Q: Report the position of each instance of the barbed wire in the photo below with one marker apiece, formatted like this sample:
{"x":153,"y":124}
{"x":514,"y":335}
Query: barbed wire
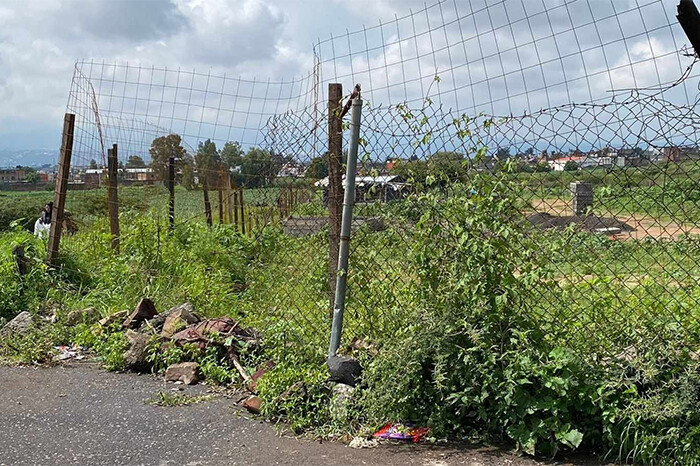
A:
{"x":574,"y":92}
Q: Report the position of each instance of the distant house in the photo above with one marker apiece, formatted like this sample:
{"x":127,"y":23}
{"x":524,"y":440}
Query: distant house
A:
{"x":383,"y":188}
{"x":92,"y":177}
{"x":143,"y":175}
{"x":46,"y":176}
{"x":291,"y":170}
{"x":559,"y":164}
{"x":12,"y":175}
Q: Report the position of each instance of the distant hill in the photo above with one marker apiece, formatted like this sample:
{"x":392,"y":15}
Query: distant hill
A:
{"x":10,"y":158}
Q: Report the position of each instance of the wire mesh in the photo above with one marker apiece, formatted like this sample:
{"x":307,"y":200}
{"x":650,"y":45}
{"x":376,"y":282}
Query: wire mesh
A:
{"x":602,"y":93}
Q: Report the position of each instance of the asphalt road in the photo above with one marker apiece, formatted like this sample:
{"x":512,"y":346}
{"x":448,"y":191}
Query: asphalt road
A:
{"x":78,"y":414}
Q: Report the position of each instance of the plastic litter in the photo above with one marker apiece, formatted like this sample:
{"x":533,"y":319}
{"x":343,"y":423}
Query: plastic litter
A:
{"x":402,"y":431}
{"x":66,"y":352}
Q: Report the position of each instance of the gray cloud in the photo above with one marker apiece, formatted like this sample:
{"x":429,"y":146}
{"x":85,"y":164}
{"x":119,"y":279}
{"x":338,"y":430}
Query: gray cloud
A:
{"x":124,"y":20}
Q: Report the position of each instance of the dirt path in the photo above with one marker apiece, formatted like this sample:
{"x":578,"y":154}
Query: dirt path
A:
{"x":644,"y":226}
{"x":79,"y":414}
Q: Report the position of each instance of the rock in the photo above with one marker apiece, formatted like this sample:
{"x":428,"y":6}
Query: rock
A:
{"x":113,"y":318}
{"x":157,"y":322}
{"x":178,"y":320}
{"x":344,"y":370}
{"x":87,"y":316}
{"x":187,"y":372}
{"x":342,"y":394}
{"x":135,"y":355}
{"x":252,"y":404}
{"x":262,"y":370}
{"x":205,"y":333}
{"x":145,"y":310}
{"x":20,"y":325}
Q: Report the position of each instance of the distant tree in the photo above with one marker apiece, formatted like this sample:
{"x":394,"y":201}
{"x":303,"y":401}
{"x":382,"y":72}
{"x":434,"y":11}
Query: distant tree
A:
{"x":232,"y":154}
{"x":543,"y":167}
{"x":162,"y":149}
{"x":571,"y":166}
{"x":135,"y":161}
{"x":120,"y":165}
{"x":208,"y":162}
{"x":447,"y":166}
{"x":502,"y":153}
{"x":32,"y":177}
{"x":93,"y":164}
{"x":260,"y":167}
{"x":186,"y":165}
{"x":318,"y":168}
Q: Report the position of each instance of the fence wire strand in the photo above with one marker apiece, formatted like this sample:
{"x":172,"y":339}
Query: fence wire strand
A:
{"x":575,"y":91}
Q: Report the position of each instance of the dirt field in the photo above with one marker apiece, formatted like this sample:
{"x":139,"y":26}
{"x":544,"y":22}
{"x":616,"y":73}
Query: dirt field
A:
{"x":642,"y":226}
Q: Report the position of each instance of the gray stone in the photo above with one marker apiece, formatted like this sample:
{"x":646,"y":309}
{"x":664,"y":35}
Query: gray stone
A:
{"x":135,"y":356}
{"x":88,"y":316}
{"x":187,"y":372}
{"x":20,"y":325}
{"x":342,"y":394}
{"x":180,"y":318}
{"x":113,"y":318}
{"x":157,"y":322}
{"x":344,"y":370}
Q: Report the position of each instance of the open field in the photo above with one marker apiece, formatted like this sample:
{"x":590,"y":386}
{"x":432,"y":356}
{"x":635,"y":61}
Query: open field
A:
{"x":606,"y":318}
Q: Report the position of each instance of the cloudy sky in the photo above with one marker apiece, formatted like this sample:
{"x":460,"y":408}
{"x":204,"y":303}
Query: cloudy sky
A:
{"x":504,"y":57}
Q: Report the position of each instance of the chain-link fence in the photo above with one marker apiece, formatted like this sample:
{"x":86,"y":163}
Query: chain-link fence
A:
{"x":576,"y":121}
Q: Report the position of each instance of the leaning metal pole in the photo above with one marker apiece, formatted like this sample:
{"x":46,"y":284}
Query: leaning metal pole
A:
{"x":344,"y":250}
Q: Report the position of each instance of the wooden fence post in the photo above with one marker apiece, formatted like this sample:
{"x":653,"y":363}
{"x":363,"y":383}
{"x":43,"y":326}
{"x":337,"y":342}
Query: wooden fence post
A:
{"x":229,"y":206}
{"x":235,"y":207}
{"x":112,"y":196}
{"x":335,"y":182}
{"x":171,"y":188}
{"x":59,"y":197}
{"x":207,"y":204}
{"x":240,"y":202}
{"x":221,"y":196}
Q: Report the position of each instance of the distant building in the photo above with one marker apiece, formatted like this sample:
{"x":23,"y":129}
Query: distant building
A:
{"x":558,"y":165}
{"x":92,"y":177}
{"x":143,"y":175}
{"x":12,"y":175}
{"x":291,"y":170}
{"x":382,"y":188}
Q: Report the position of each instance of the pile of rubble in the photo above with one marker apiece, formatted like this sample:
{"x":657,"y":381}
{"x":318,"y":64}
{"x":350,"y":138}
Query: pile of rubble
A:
{"x":180,"y":326}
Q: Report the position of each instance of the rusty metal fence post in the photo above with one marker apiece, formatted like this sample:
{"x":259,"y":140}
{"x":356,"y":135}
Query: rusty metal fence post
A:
{"x":344,"y":250}
{"x":335,"y":181}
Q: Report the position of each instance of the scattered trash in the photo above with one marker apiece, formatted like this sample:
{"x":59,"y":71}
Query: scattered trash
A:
{"x":362,"y":442}
{"x":399,"y":431}
{"x":66,"y":352}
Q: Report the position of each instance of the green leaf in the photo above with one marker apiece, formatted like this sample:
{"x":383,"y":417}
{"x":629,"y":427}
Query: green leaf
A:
{"x":572,"y":438}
